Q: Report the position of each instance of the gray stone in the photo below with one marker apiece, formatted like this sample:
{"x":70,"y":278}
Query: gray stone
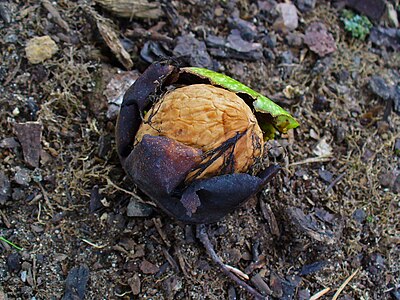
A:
{"x":22,"y":176}
{"x":359,"y":215}
{"x":75,"y":284}
{"x":379,"y":87}
{"x":5,"y":188}
{"x":305,"y":5}
{"x":288,"y":16}
{"x":138,"y":209}
{"x":193,"y":50}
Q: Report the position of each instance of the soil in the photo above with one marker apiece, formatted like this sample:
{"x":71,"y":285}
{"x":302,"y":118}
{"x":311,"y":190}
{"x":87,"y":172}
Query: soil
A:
{"x":330,"y":218}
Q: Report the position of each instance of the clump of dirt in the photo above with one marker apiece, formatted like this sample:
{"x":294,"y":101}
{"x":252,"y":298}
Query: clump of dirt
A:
{"x":74,"y":225}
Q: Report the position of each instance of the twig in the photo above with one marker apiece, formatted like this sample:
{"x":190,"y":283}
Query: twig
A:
{"x":203,"y":237}
{"x":181,"y":261}
{"x":109,"y":181}
{"x":337,"y":179}
{"x":171,"y":260}
{"x":56,"y":15}
{"x":238,"y":272}
{"x":39,"y":213}
{"x":311,"y":160}
{"x":5,"y":220}
{"x":93,"y":244}
{"x":46,"y":198}
{"x":320,"y":294}
{"x":157,"y":224}
{"x":346,"y":282}
{"x":12,"y":74}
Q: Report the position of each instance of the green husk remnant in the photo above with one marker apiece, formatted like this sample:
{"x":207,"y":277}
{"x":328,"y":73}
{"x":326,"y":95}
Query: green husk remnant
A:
{"x":281,"y":119}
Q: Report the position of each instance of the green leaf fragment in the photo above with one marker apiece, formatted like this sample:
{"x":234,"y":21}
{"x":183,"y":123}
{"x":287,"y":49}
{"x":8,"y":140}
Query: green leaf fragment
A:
{"x":282,"y":120}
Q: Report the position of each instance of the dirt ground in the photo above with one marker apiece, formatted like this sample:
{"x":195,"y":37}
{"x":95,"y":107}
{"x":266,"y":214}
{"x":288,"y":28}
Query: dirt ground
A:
{"x":330,"y":218}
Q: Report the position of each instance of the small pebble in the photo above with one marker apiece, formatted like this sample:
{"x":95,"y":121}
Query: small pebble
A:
{"x":379,"y":87}
{"x":148,"y":268}
{"x":288,"y":19}
{"x":23,"y":276}
{"x":38,"y":49}
{"x":138,"y":209}
{"x":5,"y":187}
{"x":14,"y":262}
{"x":306,"y":5}
{"x":359,"y":215}
{"x":22,"y":176}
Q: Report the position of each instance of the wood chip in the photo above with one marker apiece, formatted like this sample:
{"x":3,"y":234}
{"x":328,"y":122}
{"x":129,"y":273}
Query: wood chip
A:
{"x":148,"y":268}
{"x":113,"y":42}
{"x":110,"y":37}
{"x":76,"y":282}
{"x":270,"y":217}
{"x":133,"y":8}
{"x":135,"y":284}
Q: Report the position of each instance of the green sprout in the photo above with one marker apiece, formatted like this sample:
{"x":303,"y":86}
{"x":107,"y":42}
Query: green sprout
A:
{"x":358,"y":26}
{"x":10,"y":243}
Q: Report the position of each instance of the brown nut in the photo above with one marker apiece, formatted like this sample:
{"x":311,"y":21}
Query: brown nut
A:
{"x":204,"y":117}
{"x":189,"y":140}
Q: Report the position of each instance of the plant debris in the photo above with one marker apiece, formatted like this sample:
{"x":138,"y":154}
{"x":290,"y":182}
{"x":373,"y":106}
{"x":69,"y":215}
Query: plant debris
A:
{"x":310,"y":226}
{"x":358,"y":26}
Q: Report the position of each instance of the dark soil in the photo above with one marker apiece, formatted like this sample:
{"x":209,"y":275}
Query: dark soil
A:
{"x":333,"y":211}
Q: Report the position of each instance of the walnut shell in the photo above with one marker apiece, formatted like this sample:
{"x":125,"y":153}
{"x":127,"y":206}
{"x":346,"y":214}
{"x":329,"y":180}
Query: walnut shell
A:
{"x":212,"y":119}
